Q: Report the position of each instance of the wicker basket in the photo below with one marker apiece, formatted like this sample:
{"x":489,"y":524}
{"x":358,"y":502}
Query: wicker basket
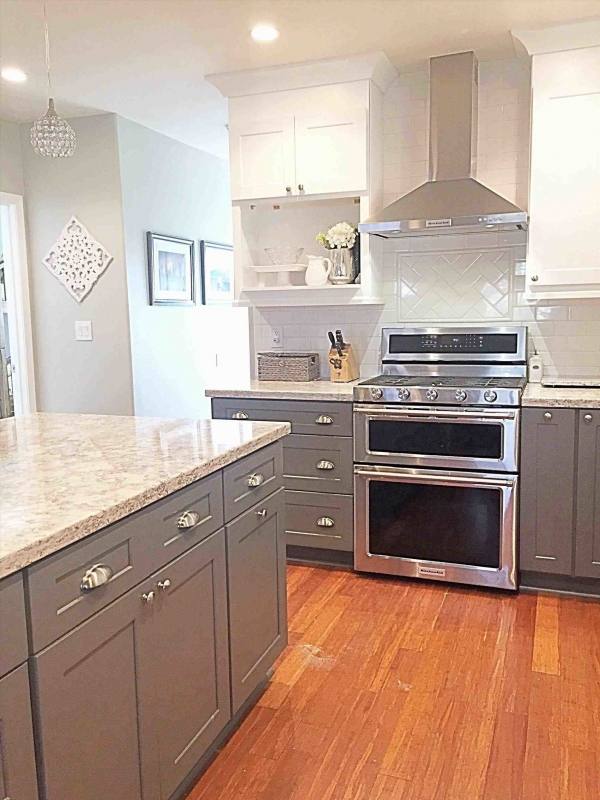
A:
{"x":288,"y":366}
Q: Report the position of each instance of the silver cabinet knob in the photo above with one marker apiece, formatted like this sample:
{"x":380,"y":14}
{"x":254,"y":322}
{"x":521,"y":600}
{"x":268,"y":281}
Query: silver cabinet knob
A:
{"x":148,"y":598}
{"x":324,"y":464}
{"x":98,"y":575}
{"x":187,"y":520}
{"x":288,"y":189}
{"x":325,"y":522}
{"x":588,"y":417}
{"x":535,"y":278}
{"x":164,"y":586}
{"x":239,"y":415}
{"x":262,"y":513}
{"x":547,"y":415}
{"x":300,"y":187}
{"x":255,"y":480}
{"x":323,"y":419}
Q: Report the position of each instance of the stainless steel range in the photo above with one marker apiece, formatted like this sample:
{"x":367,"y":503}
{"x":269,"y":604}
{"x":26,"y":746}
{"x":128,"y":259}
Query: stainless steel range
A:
{"x":436,"y":451}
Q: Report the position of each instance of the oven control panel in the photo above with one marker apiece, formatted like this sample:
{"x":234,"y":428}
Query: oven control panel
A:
{"x":452,"y":343}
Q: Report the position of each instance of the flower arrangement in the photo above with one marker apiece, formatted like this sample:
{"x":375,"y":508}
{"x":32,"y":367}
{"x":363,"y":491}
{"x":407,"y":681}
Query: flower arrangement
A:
{"x":342,"y":234}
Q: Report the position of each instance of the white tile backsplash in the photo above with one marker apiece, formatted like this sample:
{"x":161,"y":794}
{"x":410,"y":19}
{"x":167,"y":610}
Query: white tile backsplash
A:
{"x":473,"y":287}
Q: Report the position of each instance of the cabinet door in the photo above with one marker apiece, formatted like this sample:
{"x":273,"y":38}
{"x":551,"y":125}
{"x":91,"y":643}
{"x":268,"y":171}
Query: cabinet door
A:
{"x":92,"y":687}
{"x":565,"y":171}
{"x":257,"y":595}
{"x":587,"y":545}
{"x":190,"y":659}
{"x":17,"y":759}
{"x":547,"y":490}
{"x":331,"y":152}
{"x":262,"y":158}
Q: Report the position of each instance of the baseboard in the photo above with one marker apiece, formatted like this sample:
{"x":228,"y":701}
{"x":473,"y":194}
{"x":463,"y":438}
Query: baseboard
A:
{"x":319,"y":556}
{"x":560,"y":584}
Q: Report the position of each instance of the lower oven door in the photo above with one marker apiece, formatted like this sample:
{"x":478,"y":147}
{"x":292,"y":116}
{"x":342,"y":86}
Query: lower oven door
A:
{"x":450,"y":526}
{"x":449,"y":438}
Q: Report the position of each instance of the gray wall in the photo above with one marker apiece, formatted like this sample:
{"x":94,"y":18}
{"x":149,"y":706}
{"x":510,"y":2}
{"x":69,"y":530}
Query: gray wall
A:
{"x":11,"y":166}
{"x":174,"y":189}
{"x":92,"y":377}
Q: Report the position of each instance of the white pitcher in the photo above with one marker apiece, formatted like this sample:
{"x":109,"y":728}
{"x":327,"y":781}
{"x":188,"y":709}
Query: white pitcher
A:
{"x":318,"y":270}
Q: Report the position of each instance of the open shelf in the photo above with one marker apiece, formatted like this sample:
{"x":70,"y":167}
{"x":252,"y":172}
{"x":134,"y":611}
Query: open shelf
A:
{"x":344,"y":294}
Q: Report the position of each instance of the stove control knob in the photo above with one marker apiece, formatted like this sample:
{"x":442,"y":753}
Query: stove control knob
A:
{"x":431,"y":394}
{"x":460,"y":395}
{"x":403,"y":394}
{"x":489,"y":396}
{"x":376,"y":393}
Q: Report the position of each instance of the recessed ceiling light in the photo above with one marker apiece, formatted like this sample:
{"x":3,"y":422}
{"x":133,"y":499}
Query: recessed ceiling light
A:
{"x":264,"y":33}
{"x":13,"y":74}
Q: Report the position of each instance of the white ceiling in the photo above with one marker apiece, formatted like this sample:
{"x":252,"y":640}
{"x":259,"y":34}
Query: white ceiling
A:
{"x":145,"y":59}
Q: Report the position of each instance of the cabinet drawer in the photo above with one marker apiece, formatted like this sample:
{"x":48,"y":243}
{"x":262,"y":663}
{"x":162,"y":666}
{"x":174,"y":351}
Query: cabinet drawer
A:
{"x":252,"y":479}
{"x":13,"y":631}
{"x":130,"y":550}
{"x":323,"y":418}
{"x":307,"y":515}
{"x":318,"y":463}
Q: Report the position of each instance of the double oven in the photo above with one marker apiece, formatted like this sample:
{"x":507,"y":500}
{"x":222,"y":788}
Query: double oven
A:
{"x":437,"y":457}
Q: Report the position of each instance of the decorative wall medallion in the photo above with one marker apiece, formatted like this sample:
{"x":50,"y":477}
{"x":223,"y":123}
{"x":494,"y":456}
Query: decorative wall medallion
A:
{"x":77,"y":260}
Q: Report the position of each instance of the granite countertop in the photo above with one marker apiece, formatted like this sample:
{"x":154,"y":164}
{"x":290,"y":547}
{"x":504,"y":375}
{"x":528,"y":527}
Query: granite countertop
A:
{"x":558,"y":397}
{"x":288,"y":390}
{"x":64,"y":476}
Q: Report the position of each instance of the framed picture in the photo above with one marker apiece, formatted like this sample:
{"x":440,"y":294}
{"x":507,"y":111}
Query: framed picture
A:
{"x":171,"y":279}
{"x":216,"y":272}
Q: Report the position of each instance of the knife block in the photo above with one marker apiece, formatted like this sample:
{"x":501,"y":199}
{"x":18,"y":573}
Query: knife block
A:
{"x":342,"y":369}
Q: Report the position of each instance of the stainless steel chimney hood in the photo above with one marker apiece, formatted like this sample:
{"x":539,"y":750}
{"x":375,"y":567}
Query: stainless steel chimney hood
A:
{"x":451,"y":201}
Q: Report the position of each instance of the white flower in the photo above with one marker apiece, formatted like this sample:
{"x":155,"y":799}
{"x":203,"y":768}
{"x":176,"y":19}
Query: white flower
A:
{"x":342,"y":234}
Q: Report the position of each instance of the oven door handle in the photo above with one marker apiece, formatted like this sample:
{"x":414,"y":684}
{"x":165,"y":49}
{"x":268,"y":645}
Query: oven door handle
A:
{"x":393,"y":413}
{"x":410,"y":476}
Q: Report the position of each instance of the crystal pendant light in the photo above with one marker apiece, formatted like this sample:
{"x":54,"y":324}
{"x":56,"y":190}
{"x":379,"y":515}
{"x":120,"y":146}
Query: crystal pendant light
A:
{"x":51,"y":135}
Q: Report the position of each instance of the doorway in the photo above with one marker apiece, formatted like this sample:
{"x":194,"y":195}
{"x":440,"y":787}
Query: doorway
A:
{"x":17,"y":384}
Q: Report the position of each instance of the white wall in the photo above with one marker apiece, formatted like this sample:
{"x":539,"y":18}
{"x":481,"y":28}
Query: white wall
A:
{"x":455,"y":279}
{"x":92,"y":377}
{"x":173,"y":189}
{"x":11,"y":165}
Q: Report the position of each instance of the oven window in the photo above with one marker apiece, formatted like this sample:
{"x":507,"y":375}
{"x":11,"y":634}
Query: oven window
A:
{"x":429,"y":522}
{"x":461,"y":439}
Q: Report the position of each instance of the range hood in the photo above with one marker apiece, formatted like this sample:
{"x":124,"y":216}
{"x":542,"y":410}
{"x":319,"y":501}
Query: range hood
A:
{"x":451,"y":201}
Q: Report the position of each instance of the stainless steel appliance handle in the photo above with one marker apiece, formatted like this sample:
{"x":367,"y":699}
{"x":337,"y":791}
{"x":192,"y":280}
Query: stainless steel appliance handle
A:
{"x":393,"y":412}
{"x":426,"y":476}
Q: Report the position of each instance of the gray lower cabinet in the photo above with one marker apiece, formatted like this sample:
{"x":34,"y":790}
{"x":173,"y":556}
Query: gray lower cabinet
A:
{"x":17,"y":758}
{"x":318,"y":463}
{"x":13,"y":625}
{"x":547,"y":490}
{"x":319,"y":520}
{"x":587,"y":536}
{"x":129,"y":700}
{"x":257,"y":597}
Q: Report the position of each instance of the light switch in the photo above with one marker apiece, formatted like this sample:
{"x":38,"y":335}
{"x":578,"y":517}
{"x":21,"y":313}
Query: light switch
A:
{"x":83,"y":330}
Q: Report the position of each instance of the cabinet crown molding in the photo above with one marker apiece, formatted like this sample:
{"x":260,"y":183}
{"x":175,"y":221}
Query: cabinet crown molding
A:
{"x":572,"y":36}
{"x":375,"y":67}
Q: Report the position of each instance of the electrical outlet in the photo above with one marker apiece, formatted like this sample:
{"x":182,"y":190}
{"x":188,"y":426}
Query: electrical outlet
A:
{"x":276,"y":339}
{"x":83,"y":330}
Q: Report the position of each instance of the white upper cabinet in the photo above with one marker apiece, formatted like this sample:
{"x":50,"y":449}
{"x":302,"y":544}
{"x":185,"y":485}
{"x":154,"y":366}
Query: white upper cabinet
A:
{"x":563,"y":259}
{"x":262,"y":157}
{"x":331,"y":152}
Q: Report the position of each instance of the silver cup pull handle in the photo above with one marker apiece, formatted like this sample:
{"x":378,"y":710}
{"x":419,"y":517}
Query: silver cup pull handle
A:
{"x":324,"y":419}
{"x":98,"y":575}
{"x":255,"y":480}
{"x":187,"y":520}
{"x":547,"y":415}
{"x":325,"y":522}
{"x":239,"y":415}
{"x":324,"y":464}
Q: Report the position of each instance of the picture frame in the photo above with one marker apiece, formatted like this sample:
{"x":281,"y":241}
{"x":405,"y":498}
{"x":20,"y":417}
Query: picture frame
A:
{"x":171,"y":270}
{"x":216,"y":273}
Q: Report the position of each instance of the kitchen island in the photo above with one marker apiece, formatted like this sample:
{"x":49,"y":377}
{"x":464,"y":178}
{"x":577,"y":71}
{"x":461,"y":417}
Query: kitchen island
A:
{"x":151,"y":554}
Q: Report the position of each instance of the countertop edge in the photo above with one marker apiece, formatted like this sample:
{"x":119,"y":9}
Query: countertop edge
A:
{"x":343,"y":394}
{"x":538,"y":396}
{"x":29,"y":554}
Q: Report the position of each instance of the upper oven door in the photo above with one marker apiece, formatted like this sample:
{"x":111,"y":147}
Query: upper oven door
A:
{"x":437,"y":437}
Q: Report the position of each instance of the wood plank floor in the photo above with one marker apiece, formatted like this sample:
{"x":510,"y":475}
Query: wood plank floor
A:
{"x":395,"y":690}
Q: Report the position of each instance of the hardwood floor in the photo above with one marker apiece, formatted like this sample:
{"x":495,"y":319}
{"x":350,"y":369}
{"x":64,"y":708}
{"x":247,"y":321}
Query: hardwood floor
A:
{"x":395,"y":690}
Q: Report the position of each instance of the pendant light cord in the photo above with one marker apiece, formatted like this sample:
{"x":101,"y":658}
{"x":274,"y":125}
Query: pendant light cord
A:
{"x":47,"y":40}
